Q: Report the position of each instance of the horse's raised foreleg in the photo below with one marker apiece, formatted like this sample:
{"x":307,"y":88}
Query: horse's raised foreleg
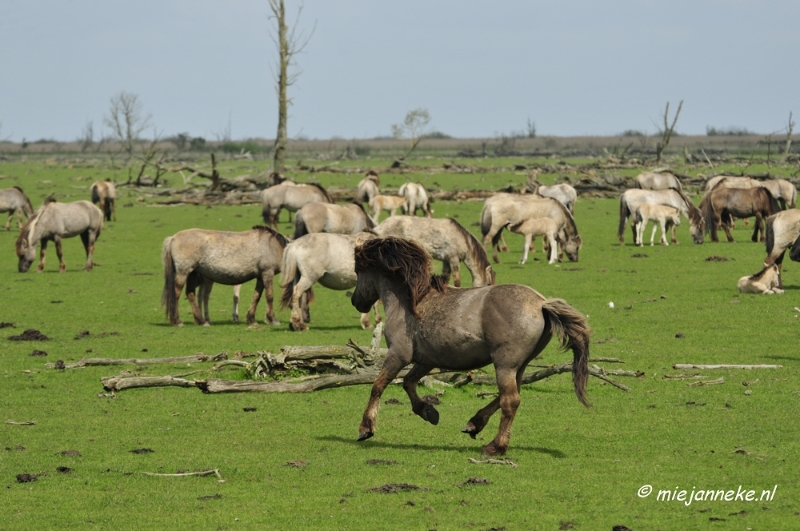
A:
{"x":418,"y":405}
{"x":476,"y":424}
{"x":509,"y":402}
{"x":391,"y":367}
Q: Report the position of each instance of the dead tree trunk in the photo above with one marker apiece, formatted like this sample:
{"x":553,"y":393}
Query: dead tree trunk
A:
{"x":666,"y":133}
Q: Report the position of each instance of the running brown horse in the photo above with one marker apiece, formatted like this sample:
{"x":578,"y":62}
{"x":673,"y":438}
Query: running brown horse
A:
{"x":721,"y":204}
{"x":433,"y":325}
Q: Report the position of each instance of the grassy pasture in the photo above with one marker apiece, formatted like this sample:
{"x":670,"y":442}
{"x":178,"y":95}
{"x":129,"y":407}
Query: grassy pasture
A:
{"x":577,"y":468}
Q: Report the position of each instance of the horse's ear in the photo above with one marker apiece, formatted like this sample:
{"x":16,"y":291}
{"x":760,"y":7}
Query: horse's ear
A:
{"x":491,"y":275}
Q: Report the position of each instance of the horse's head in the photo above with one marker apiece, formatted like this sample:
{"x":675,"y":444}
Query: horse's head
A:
{"x":696,"y":228}
{"x":25,"y":251}
{"x":571,"y":247}
{"x":366,"y":293}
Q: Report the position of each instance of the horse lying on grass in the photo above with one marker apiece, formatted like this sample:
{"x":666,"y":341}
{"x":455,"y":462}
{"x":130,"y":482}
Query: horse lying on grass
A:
{"x":765,"y":281}
{"x":432,"y":325}
{"x":53,"y":221}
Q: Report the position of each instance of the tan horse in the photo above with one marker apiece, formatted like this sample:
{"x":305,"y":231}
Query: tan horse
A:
{"x":290,"y":196}
{"x":432,"y":325}
{"x":195,"y":257}
{"x":368,"y":187}
{"x":783,"y":232}
{"x":54,"y":221}
{"x":657,"y":180}
{"x":446,"y":240}
{"x":721,"y":204}
{"x":664,"y":216}
{"x":563,"y":193}
{"x":389,"y":203}
{"x":326,"y":217}
{"x":514,"y":209}
{"x":531,"y":228}
{"x":320,"y":257}
{"x":766,"y":281}
{"x":14,"y":201}
{"x":631,"y":199}
{"x":782,"y":190}
{"x":104,"y":194}
{"x":416,"y":198}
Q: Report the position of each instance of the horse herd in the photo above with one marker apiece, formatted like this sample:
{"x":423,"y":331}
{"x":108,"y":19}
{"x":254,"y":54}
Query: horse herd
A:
{"x":429,"y":324}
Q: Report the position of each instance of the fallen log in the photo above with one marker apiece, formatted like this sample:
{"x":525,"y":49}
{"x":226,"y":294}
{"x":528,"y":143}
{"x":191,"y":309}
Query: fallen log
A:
{"x":210,"y":472}
{"x":746,"y":367}
{"x":118,"y":383}
{"x":328,"y":382}
{"x":96,"y":362}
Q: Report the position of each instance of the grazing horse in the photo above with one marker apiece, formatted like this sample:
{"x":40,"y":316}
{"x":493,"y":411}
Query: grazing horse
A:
{"x":658,"y":180}
{"x":104,"y":194}
{"x":290,"y":196}
{"x":54,"y":221}
{"x":14,"y":201}
{"x":632,"y":198}
{"x":197,"y":257}
{"x":721,"y":204}
{"x":766,"y":281}
{"x":513,"y":209}
{"x":319,"y":257}
{"x":326,"y":217}
{"x":432,"y":325}
{"x":783,"y":232}
{"x":563,"y":193}
{"x":446,"y":240}
{"x":665,"y":216}
{"x":416,"y":197}
{"x":367,"y":188}
{"x":531,"y":228}
{"x":782,"y":190}
{"x":390,"y":203}
{"x":731,"y":181}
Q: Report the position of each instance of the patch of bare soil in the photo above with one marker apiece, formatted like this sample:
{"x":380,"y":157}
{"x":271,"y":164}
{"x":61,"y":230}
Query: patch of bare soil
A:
{"x":38,"y":354}
{"x":476,"y":481}
{"x":70,"y":453}
{"x":296,"y":464}
{"x":6,"y":325}
{"x":26,"y":478}
{"x":381,"y":462}
{"x":394,"y":488}
{"x":715,"y":258}
{"x":639,"y":255}
{"x":142,"y":451}
{"x":30,"y":335}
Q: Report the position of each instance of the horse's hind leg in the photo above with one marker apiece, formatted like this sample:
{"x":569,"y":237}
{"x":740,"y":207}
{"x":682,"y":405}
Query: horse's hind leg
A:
{"x":204,"y":294}
{"x":88,"y":246}
{"x":251,"y":313}
{"x":509,"y":402}
{"x":758,"y":229}
{"x":192,"y":282}
{"x":418,"y":405}
{"x":270,"y":316}
{"x":62,"y":266}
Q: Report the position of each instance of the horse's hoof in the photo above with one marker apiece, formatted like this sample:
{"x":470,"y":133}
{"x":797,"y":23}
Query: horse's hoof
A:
{"x":297,"y":327}
{"x":206,"y":323}
{"x":236,"y":319}
{"x":364,"y":435}
{"x":471,"y":430}
{"x":274,"y":322}
{"x":430,"y":414}
{"x":493,"y":449}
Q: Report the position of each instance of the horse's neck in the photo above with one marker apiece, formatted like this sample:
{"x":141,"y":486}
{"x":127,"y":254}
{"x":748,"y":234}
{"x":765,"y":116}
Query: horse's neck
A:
{"x":396,"y":305}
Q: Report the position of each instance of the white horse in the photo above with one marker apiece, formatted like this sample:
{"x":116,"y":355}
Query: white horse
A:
{"x":563,"y":193}
{"x":782,"y":190}
{"x":766,"y":281}
{"x":416,"y":197}
{"x":665,"y":216}
{"x":13,"y":200}
{"x":322,"y":257}
{"x":389,"y":203}
{"x":531,"y":228}
{"x":657,"y":180}
{"x":632,"y":198}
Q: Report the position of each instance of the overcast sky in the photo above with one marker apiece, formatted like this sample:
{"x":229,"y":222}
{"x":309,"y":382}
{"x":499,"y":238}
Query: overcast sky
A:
{"x":481,"y":69}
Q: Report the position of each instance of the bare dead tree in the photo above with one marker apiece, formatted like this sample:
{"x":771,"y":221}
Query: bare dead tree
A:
{"x":289,"y":43}
{"x":414,"y":127}
{"x":666,"y":132}
{"x":87,"y":136}
{"x":126,"y":120}
{"x":789,"y":128}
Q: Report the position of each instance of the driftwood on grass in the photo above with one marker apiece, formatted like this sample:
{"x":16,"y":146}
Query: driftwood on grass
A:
{"x":707,"y":382}
{"x":209,"y":472}
{"x":118,"y":383}
{"x":22,"y":423}
{"x":96,"y":362}
{"x":746,"y":367}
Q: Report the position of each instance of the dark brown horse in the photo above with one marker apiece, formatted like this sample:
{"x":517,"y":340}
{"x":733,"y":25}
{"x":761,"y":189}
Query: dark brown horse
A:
{"x":721,"y":204}
{"x":431,"y":324}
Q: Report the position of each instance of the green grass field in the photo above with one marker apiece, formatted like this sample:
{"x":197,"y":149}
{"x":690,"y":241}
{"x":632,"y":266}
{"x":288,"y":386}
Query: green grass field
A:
{"x":576,"y":468}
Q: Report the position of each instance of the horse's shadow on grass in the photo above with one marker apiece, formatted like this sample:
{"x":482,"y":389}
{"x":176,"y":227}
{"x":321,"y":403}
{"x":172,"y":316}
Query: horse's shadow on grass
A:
{"x":469,"y":448}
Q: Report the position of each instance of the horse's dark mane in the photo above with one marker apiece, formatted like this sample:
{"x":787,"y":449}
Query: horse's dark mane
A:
{"x":770,"y":239}
{"x":324,"y":191}
{"x":757,"y":276}
{"x":694,"y":212}
{"x":373,"y":176}
{"x":370,"y":223}
{"x":283,"y":240}
{"x":476,"y":250}
{"x":404,"y":261}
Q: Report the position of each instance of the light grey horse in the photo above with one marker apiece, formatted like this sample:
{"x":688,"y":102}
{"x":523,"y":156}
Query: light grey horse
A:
{"x":327,"y":217}
{"x":416,"y":197}
{"x":290,"y":196}
{"x":657,"y":180}
{"x":54,"y":221}
{"x":321,"y":257}
{"x":194,"y":257}
{"x":783,"y":231}
{"x":514,"y":209}
{"x":782,"y":190}
{"x":14,"y":201}
{"x":104,"y":194}
{"x":446,"y":240}
{"x":433,"y":325}
{"x":368,"y":187}
{"x":631,"y":199}
{"x":562,"y":192}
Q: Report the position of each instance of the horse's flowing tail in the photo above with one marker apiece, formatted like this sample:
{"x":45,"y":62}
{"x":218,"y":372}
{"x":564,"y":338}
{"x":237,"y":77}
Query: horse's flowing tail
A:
{"x":290,"y":275}
{"x":573,"y":332}
{"x":168,"y":298}
{"x":708,"y":215}
{"x":300,"y":228}
{"x":624,"y":212}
